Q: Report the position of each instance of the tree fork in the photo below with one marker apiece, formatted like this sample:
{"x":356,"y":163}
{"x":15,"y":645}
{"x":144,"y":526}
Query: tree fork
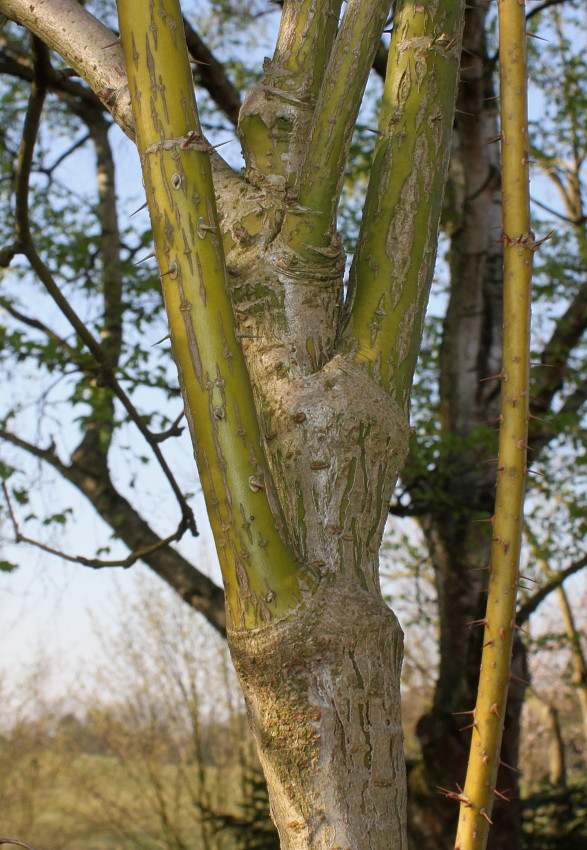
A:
{"x":519,"y":243}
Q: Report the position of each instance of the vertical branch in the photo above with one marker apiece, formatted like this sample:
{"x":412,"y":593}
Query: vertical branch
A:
{"x":276,"y":115}
{"x":93,"y":449}
{"x":499,"y":622}
{"x":261,"y":575}
{"x":322,"y":171}
{"x":392,"y":271}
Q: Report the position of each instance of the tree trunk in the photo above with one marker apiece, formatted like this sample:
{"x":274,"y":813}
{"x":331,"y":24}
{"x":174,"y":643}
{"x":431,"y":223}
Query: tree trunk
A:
{"x":321,"y":692}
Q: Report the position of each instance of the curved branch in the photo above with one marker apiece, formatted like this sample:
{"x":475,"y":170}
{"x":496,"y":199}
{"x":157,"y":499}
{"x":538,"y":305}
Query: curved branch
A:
{"x":85,"y":43}
{"x":42,"y":327}
{"x":546,"y":5}
{"x":94,"y":563}
{"x":194,"y":587}
{"x":531,"y":604}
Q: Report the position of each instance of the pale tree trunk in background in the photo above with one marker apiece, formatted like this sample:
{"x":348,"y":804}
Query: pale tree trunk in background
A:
{"x":579,"y":666}
{"x":557,"y":771}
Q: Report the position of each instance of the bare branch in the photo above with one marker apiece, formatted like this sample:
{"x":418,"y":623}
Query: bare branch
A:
{"x":531,"y":604}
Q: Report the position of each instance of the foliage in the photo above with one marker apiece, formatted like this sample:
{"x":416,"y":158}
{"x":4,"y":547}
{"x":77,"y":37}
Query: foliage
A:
{"x":554,"y":819}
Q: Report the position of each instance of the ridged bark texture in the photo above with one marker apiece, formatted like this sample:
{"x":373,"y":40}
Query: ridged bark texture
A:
{"x":322,"y":697}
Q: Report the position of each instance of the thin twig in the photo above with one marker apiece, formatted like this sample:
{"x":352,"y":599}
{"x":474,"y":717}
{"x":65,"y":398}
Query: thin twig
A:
{"x":94,"y":563}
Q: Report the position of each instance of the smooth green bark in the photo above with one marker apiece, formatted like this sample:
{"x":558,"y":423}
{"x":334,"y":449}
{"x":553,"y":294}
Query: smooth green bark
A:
{"x":499,"y":622}
{"x":261,"y":575}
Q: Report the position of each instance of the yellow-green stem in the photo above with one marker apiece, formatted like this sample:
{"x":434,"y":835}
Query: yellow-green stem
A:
{"x":261,"y":575}
{"x":499,"y":623}
{"x":322,"y":172}
{"x":291,"y":81}
{"x":394,"y":262}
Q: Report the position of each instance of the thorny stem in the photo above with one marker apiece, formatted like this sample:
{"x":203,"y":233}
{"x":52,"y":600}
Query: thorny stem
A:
{"x":519,"y":244}
{"x":262,"y":577}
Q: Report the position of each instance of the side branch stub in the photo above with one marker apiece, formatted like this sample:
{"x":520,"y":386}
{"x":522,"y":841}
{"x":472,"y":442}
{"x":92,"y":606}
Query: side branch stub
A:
{"x":262,"y":577}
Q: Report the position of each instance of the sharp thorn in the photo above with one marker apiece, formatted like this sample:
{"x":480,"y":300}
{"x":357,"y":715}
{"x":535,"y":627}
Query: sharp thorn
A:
{"x":515,"y":678}
{"x":144,"y":259}
{"x":159,"y":341}
{"x":501,"y":795}
{"x":142,"y":207}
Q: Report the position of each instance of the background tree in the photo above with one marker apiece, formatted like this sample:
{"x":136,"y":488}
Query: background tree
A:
{"x":444,"y":484}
